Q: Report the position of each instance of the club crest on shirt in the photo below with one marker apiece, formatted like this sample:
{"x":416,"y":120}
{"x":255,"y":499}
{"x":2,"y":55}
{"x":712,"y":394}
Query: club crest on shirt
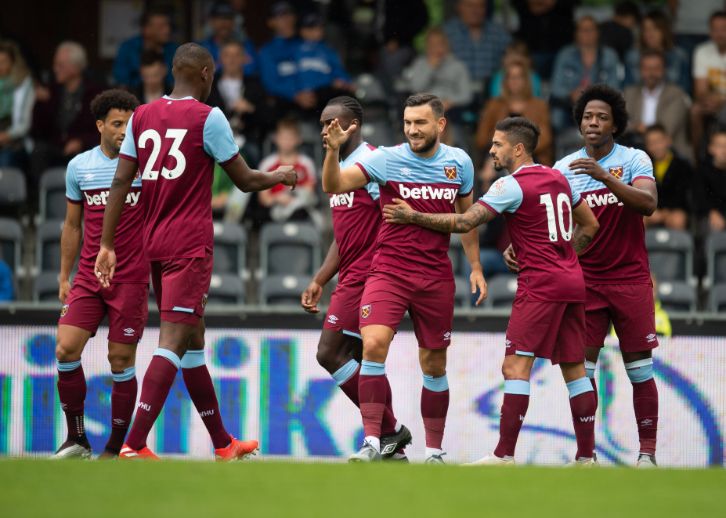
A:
{"x":64,"y":310}
{"x":365,"y":311}
{"x":450,"y":172}
{"x":204,"y":300}
{"x":617,"y":171}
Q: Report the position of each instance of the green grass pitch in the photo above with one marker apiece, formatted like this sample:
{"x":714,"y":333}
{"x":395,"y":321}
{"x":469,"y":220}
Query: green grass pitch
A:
{"x":176,"y":489}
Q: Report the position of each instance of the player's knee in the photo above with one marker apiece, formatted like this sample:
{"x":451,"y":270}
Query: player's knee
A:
{"x":640,"y":371}
{"x":120,"y":360}
{"x":375,"y":349}
{"x":515,"y":370}
{"x":66,"y":351}
{"x":326,"y":357}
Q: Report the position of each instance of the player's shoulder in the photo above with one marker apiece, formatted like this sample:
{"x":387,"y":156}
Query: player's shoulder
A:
{"x":454,"y":152}
{"x":634,"y":155}
{"x":86,"y":159}
{"x":563,"y":164}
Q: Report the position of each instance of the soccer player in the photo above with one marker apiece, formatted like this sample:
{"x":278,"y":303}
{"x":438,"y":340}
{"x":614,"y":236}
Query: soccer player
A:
{"x":617,"y":183}
{"x":173,"y":143}
{"x":88,"y":179}
{"x":356,"y":219}
{"x":411,"y":268}
{"x":548,"y":313}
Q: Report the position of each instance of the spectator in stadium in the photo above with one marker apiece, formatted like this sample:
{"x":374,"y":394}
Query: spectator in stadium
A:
{"x":476,"y":41}
{"x":618,"y":32}
{"x":7,"y":290}
{"x":656,"y":34}
{"x":222,"y":22}
{"x":673,"y":177}
{"x":516,"y":100}
{"x":156,"y":36}
{"x":655,"y":99}
{"x":516,"y":51}
{"x":493,"y":236}
{"x":579,"y":66}
{"x":439,"y":72}
{"x":17,"y":97}
{"x":222,"y":186}
{"x":713,"y":183}
{"x":63,"y":124}
{"x":153,"y":77}
{"x":321,"y":75}
{"x":709,"y":80}
{"x":546,"y":26}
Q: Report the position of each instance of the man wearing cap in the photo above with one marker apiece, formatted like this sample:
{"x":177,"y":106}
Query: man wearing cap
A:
{"x":222,"y":26}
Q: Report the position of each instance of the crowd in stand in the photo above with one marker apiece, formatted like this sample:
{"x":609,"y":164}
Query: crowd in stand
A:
{"x":673,"y":78}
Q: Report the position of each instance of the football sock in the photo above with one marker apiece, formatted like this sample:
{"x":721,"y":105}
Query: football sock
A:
{"x":123,"y":399}
{"x":590,"y":368}
{"x":347,"y":378}
{"x":154,"y":389}
{"x":201,"y":390}
{"x":373,"y":391}
{"x":72,"y":395}
{"x":645,"y":402}
{"x":434,"y":406}
{"x":583,"y":406}
{"x":514,"y":408}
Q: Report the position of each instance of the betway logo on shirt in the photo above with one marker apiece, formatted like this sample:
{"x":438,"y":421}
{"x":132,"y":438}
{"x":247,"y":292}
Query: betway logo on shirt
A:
{"x":101,"y":198}
{"x":342,"y":200}
{"x":428,"y":192}
{"x":602,"y":200}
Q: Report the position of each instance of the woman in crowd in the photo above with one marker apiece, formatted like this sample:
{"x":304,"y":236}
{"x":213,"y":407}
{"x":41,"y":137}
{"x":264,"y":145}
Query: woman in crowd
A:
{"x":17,"y":97}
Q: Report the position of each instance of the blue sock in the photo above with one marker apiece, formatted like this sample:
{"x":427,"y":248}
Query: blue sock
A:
{"x":439,"y":384}
{"x":520,"y":387}
{"x":579,"y":386}
{"x":345,"y":372}
{"x":369,"y":368}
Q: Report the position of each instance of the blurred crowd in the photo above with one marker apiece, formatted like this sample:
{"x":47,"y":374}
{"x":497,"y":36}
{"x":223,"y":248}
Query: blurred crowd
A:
{"x":523,"y":57}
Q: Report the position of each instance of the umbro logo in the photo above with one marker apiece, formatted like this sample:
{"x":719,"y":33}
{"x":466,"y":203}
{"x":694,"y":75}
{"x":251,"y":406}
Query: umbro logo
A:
{"x":646,"y":422}
{"x":119,"y":422}
{"x":332,"y":319}
{"x":651,"y":337}
{"x":447,"y":335}
{"x":405,"y":171}
{"x":389,"y":448}
{"x":89,"y":176}
{"x":129,"y":332}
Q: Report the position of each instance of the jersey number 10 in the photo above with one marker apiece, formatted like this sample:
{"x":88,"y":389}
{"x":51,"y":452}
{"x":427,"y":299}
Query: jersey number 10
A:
{"x":177,"y":135}
{"x":562,"y":201}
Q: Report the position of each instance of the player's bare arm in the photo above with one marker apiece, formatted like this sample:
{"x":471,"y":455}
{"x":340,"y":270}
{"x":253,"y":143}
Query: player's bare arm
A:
{"x":106,"y":259}
{"x":335,"y":180}
{"x":311,"y":296}
{"x":400,"y":213}
{"x":250,"y":180}
{"x":587,"y":227}
{"x":642,"y":196}
{"x":70,"y":245}
{"x":470,"y":242}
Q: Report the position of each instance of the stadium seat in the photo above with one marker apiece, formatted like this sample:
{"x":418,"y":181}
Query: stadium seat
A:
{"x":717,"y":298}
{"x":457,"y":256}
{"x":45,"y":287}
{"x":378,"y":132}
{"x":226,"y":288}
{"x":11,"y":238}
{"x":289,"y":249}
{"x":52,"y":194}
{"x":677,"y":296}
{"x":13,"y":192}
{"x":716,"y":259}
{"x":47,"y":247}
{"x":671,"y":255}
{"x":282,"y":290}
{"x":230,"y":245}
{"x":462,"y":297}
{"x":502,"y":289}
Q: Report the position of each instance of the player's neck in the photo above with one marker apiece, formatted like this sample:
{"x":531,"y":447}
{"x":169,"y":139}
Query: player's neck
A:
{"x":110,"y":152}
{"x":181,"y":90}
{"x":427,"y":154}
{"x":350,"y":146}
{"x":524,"y":162}
{"x":599,"y":151}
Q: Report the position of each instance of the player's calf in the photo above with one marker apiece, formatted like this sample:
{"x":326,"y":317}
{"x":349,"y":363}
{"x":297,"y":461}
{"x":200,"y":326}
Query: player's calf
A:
{"x":645,"y":402}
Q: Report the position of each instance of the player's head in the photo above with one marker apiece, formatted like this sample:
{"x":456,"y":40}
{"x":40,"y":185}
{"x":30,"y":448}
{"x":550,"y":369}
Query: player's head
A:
{"x":112,"y":110}
{"x":193,"y":67}
{"x":287,"y":136}
{"x":600,"y":114}
{"x":717,"y":148}
{"x":423,"y":122}
{"x":657,"y":141}
{"x":514,"y":141}
{"x":344,"y":108}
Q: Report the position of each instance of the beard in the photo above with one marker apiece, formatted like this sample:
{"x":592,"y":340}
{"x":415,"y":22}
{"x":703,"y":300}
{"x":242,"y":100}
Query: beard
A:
{"x":428,"y":144}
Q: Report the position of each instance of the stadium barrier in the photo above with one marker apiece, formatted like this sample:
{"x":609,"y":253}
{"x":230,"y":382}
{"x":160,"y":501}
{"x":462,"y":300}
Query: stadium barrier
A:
{"x":271,"y":387}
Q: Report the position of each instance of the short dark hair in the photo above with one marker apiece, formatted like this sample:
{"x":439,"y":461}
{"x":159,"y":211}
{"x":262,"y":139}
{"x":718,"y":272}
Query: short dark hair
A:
{"x":627,"y":8}
{"x":151,"y":57}
{"x":351,"y":104}
{"x":716,"y":14}
{"x":115,"y":98}
{"x":611,"y":97}
{"x":421,"y":99}
{"x":652,"y":53}
{"x":289,"y":123}
{"x":191,"y":55}
{"x":520,"y":130}
{"x":148,"y":14}
{"x":656,"y":128}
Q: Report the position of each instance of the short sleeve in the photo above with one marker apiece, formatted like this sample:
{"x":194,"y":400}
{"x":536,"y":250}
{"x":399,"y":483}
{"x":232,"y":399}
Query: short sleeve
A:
{"x":700,"y":63}
{"x":641,"y":166}
{"x":467,"y":177}
{"x":576,"y":197}
{"x":505,"y":195}
{"x":73,"y":190}
{"x":128,"y":146}
{"x":374,"y":190}
{"x":218,"y":139}
{"x":373,"y":166}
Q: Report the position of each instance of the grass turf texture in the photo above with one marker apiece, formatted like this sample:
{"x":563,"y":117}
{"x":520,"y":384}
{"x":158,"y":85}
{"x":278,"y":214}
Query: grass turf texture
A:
{"x":250,"y":489}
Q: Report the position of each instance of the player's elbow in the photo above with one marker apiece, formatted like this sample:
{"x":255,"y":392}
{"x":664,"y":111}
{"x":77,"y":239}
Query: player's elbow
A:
{"x":331,"y":187}
{"x":593,"y":227}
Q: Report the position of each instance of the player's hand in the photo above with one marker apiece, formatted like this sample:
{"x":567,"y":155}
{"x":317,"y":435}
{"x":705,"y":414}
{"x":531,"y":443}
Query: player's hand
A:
{"x":478,"y":283}
{"x":289,"y":175}
{"x":511,"y":260}
{"x":105,"y":266}
{"x":399,"y":212}
{"x":311,"y":296}
{"x":336,"y":136}
{"x":63,"y":289}
{"x":590,"y":167}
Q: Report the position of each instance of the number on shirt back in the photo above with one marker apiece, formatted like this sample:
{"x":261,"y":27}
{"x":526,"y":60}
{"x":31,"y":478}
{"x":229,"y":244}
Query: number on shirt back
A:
{"x":177,"y":135}
{"x":563,"y":200}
